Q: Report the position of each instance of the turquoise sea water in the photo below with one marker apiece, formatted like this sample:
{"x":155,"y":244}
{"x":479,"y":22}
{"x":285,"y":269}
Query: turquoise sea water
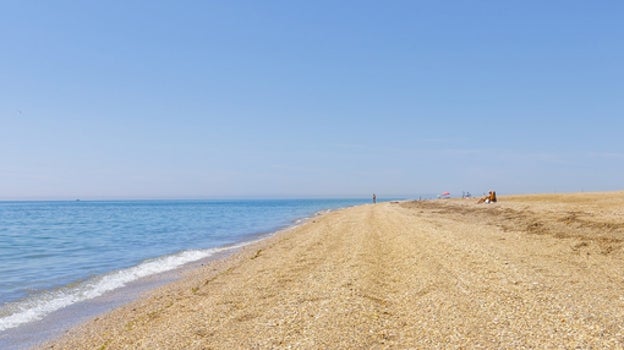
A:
{"x":56,"y":254}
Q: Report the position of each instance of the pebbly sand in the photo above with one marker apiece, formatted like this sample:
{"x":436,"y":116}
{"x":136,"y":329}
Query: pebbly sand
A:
{"x":541,"y":271}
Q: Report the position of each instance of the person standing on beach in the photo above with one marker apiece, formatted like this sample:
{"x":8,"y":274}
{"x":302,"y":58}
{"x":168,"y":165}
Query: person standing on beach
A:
{"x":374,"y":198}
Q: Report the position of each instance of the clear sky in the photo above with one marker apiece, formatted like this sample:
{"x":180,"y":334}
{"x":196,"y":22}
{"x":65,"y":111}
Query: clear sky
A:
{"x":197,"y":99}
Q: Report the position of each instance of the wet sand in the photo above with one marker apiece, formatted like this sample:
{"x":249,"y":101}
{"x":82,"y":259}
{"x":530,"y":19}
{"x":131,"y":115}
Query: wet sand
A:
{"x":543,"y":271}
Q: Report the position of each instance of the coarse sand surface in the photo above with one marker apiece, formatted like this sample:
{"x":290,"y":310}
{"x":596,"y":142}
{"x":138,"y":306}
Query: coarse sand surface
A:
{"x":527,"y":272}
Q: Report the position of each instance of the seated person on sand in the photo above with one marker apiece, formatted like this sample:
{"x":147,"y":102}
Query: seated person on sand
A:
{"x":490,"y":198}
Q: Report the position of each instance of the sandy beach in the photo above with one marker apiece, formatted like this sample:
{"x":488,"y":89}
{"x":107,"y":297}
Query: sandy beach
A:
{"x":539,"y":271}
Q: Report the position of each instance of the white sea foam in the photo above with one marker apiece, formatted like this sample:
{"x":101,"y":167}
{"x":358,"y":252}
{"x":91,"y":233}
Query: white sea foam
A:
{"x":40,"y":305}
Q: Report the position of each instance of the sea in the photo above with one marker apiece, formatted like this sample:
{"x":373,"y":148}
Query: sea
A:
{"x":62,"y":261}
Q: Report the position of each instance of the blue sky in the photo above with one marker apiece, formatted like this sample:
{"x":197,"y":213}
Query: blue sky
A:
{"x":200,"y":99}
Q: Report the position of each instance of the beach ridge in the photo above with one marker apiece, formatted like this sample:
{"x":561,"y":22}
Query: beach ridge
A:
{"x":528,"y":271}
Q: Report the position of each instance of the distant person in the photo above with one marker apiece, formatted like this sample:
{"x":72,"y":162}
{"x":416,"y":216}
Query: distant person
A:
{"x":490,"y":198}
{"x":374,"y":198}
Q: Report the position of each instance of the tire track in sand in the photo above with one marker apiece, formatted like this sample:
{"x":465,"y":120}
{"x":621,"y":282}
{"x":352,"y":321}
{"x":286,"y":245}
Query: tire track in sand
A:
{"x":389,"y":276}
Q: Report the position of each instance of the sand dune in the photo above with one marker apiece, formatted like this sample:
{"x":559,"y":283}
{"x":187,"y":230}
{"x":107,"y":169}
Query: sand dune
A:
{"x":542,"y":271}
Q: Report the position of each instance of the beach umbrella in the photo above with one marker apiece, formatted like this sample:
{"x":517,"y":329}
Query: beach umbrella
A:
{"x":446,"y":193}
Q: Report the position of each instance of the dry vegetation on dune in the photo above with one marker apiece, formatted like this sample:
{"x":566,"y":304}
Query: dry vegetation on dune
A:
{"x":526,"y":272}
{"x":589,"y":218}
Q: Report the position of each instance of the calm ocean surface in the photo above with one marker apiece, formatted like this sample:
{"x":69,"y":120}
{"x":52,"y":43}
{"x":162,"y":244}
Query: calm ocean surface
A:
{"x":56,"y":254}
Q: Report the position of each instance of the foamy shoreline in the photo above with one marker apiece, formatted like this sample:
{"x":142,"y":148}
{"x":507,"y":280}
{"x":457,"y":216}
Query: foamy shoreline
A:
{"x":43,"y":319}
